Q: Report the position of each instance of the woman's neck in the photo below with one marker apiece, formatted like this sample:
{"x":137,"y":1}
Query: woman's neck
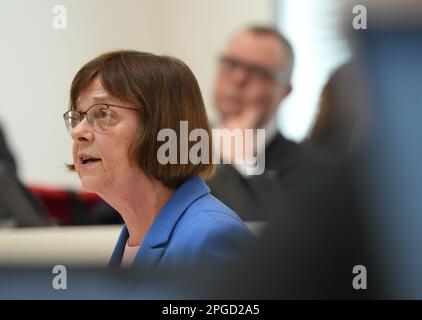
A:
{"x":139,"y":202}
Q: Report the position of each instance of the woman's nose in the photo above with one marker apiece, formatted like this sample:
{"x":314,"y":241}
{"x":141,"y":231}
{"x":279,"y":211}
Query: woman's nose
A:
{"x":82,"y":132}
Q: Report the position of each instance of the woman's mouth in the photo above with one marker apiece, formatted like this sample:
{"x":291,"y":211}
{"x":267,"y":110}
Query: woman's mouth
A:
{"x":86,"y":160}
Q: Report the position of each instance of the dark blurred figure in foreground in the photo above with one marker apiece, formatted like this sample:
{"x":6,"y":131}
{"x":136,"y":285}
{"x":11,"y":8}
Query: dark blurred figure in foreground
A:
{"x":366,"y":211}
{"x":338,"y":121}
{"x":320,"y":234}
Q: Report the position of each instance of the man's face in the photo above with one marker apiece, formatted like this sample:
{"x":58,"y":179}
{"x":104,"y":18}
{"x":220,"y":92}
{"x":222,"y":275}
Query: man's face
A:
{"x":244,"y":80}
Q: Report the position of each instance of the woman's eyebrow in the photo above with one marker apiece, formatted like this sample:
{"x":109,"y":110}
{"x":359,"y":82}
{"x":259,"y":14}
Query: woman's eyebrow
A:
{"x":99,"y":99}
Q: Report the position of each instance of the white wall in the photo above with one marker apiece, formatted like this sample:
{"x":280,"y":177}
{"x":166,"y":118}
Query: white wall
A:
{"x":315,"y":34}
{"x":39,"y":62}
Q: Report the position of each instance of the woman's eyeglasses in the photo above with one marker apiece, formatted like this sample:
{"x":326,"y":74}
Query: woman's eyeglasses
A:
{"x":98,"y":116}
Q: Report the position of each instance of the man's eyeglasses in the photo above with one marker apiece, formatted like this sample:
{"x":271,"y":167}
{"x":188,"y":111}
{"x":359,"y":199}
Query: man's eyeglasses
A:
{"x":98,"y":116}
{"x":230,"y":64}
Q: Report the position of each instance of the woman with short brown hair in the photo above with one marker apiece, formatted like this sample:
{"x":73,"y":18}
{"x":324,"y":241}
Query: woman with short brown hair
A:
{"x":119,"y":102}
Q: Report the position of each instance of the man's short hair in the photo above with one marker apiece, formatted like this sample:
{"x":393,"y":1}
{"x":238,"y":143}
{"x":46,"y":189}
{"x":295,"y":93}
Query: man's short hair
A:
{"x":262,"y":30}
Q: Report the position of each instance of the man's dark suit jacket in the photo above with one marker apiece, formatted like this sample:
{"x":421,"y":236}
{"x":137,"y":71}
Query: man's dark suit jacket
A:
{"x":255,"y":198}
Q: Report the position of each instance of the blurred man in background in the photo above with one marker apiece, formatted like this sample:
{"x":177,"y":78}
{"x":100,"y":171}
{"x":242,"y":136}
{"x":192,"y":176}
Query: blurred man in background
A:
{"x":252,"y":81}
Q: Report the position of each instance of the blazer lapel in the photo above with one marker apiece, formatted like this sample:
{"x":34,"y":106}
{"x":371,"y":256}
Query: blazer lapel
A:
{"x":149,"y":256}
{"x":156,"y":240}
{"x":116,"y":257}
{"x":158,"y":236}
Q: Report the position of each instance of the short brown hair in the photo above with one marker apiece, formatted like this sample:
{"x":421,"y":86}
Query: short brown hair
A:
{"x":166,"y":92}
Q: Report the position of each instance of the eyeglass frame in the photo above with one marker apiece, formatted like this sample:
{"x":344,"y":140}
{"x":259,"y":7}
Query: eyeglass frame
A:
{"x":83,"y":115}
{"x":281,"y":77}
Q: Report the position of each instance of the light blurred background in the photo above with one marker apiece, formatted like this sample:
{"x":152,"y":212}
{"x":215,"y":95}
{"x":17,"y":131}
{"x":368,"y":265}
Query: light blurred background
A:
{"x":38,"y":62}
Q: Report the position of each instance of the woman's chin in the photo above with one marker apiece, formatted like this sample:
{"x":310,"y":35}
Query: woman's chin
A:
{"x":90,"y":185}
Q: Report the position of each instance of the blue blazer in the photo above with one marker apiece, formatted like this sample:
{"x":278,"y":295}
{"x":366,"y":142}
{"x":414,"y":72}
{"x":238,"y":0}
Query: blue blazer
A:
{"x":193,"y":227}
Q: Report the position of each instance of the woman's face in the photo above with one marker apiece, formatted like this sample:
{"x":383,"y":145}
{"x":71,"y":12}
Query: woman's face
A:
{"x":109,"y":167}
